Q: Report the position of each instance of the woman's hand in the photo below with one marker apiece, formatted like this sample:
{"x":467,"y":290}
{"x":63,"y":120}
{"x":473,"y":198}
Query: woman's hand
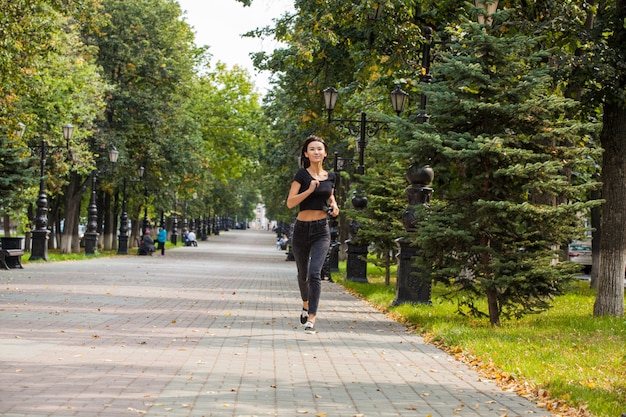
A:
{"x":334,"y":210}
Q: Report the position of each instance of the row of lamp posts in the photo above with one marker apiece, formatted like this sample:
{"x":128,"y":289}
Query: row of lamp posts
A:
{"x":41,"y":234}
{"x":412,"y":286}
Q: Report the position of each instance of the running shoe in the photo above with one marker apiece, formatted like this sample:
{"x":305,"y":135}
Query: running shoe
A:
{"x":309,"y":328}
{"x":304,"y":315}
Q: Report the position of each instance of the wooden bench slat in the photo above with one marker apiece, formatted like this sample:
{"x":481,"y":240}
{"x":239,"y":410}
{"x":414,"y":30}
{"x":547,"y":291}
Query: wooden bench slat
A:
{"x":12,"y":256}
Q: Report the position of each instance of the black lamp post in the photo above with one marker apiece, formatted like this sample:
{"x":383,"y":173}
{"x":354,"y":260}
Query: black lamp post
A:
{"x":122,"y":244}
{"x":91,"y":234}
{"x":412,"y":284}
{"x":333,"y":257}
{"x":356,"y":266}
{"x":144,"y":224}
{"x":185,"y":224}
{"x":40,"y":234}
{"x":174,"y":235}
{"x":122,"y":239}
{"x":425,"y":75}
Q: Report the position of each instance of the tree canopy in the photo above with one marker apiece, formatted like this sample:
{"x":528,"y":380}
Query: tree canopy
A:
{"x":128,"y":76}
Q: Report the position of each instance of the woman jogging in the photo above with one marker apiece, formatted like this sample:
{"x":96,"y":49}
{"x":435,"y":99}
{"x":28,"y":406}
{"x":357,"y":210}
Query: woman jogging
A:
{"x":312,"y":189}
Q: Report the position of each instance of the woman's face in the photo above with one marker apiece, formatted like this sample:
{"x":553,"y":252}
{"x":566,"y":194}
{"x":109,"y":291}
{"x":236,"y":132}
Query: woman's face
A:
{"x":315,"y":151}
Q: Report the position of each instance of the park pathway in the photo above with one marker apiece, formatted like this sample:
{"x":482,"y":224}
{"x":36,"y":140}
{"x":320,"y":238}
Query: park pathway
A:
{"x":213,"y":330}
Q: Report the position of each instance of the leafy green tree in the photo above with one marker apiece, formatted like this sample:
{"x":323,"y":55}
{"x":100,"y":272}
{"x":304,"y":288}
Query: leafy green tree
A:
{"x":226,"y":115}
{"x":502,"y":147}
{"x":279,"y":154}
{"x":69,"y":82}
{"x":17,"y":175}
{"x":148,"y":58}
{"x":29,"y":29}
{"x":47,"y":76}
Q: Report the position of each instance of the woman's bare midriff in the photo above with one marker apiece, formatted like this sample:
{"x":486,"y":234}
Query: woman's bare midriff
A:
{"x":311,"y":215}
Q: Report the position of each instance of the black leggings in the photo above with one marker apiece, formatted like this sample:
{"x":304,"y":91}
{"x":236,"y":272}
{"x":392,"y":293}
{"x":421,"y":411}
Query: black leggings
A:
{"x":310,"y":244}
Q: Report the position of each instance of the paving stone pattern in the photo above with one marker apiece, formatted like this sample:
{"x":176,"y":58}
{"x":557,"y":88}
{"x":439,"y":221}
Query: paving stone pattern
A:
{"x":214,"y":330}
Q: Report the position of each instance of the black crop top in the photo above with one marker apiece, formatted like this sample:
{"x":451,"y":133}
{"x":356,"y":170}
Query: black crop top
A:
{"x":318,"y":200}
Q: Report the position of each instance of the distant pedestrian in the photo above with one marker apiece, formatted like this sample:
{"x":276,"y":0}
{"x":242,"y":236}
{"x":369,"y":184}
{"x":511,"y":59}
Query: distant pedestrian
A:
{"x":161,"y":238}
{"x":312,"y":189}
{"x":147,"y":244}
{"x":191,"y":239}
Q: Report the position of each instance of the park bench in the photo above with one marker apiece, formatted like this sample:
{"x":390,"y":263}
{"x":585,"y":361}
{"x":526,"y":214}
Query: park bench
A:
{"x":11,"y":252}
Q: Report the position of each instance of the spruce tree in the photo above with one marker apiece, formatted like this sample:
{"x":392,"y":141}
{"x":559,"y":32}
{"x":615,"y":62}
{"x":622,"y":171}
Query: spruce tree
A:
{"x":505,"y":147}
{"x":380,"y":222}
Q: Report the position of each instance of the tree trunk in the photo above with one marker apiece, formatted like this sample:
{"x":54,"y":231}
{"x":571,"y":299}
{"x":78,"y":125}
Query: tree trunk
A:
{"x":104,"y":214}
{"x":492,"y":291}
{"x":7,"y":225}
{"x":492,"y":303}
{"x":54,"y":223}
{"x":75,"y":189}
{"x":387,"y":268}
{"x":610,"y":295}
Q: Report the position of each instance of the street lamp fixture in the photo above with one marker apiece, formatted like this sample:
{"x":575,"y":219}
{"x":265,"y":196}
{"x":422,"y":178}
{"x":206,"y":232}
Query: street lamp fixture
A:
{"x":330,"y":99}
{"x":122,"y":239}
{"x":21,"y":129}
{"x":68,"y":130}
{"x":113,"y":154}
{"x":399,"y":98}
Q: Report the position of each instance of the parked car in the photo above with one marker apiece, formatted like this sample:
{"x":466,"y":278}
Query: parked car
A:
{"x":580,"y":253}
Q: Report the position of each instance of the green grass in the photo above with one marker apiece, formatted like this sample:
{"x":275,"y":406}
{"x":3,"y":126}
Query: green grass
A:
{"x":55,"y":256}
{"x":563,"y":357}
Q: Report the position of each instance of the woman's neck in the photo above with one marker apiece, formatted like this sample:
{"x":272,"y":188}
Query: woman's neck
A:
{"x":316,"y":169}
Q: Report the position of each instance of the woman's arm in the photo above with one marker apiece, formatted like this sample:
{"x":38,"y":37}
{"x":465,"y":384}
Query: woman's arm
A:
{"x":294,"y":198}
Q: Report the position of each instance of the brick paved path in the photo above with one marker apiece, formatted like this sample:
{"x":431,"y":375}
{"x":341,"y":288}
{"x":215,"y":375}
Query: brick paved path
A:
{"x":213,"y":330}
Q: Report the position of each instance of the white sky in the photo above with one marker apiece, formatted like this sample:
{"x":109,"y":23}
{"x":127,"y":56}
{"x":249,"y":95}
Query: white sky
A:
{"x":220,"y":23}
